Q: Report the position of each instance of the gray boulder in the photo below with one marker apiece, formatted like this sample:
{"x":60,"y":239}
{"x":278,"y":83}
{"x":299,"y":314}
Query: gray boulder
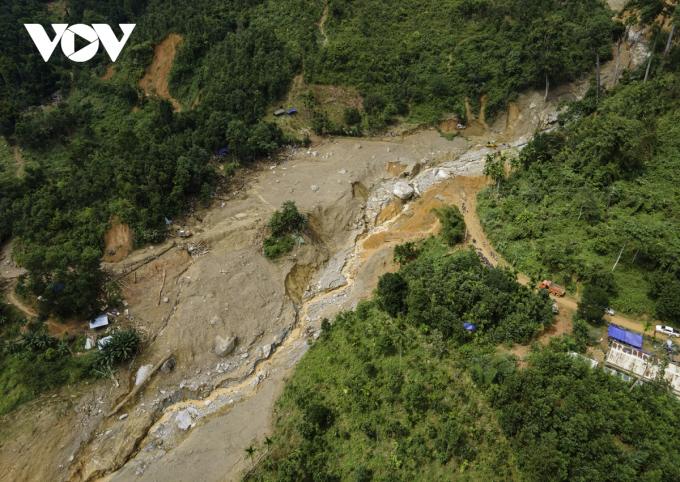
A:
{"x":224,"y":346}
{"x":403,"y":191}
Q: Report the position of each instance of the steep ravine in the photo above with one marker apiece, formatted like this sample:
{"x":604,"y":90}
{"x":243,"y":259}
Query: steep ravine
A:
{"x":237,"y":414}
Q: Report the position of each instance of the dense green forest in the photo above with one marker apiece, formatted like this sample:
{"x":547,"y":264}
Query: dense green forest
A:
{"x":415,"y":397}
{"x":95,"y":149}
{"x":596,"y":201}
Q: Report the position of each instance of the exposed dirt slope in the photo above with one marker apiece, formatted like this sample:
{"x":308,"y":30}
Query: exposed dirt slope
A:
{"x":118,"y":241}
{"x":155,"y":81}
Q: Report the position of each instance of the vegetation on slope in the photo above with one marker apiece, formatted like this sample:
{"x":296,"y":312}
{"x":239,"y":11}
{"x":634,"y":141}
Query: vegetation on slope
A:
{"x":597,"y":200}
{"x":381,"y":397}
{"x":426,"y":56}
{"x":102,"y":149}
{"x":33,"y":362}
{"x":567,"y":421}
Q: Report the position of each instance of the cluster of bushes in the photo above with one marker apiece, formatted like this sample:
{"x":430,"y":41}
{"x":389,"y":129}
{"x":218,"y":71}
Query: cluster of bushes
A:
{"x":453,"y":225}
{"x":441,"y":291}
{"x":32,"y":361}
{"x":284,"y":226}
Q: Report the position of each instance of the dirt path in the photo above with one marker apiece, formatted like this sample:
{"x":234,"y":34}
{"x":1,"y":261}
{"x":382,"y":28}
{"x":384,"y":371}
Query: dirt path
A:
{"x":322,"y":24}
{"x":14,"y":300}
{"x":21,"y":163}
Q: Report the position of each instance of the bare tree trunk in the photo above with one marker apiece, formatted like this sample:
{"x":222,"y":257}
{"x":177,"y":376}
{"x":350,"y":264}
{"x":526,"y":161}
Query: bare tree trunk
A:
{"x":619,"y":258}
{"x":597,"y":76}
{"x":669,"y":43}
{"x":547,"y":87}
{"x":618,"y":61}
{"x":651,"y":56}
{"x":649,"y":66}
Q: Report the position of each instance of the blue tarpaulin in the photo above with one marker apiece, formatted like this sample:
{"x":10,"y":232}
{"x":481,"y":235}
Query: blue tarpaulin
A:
{"x":625,"y":336}
{"x":471,"y":327}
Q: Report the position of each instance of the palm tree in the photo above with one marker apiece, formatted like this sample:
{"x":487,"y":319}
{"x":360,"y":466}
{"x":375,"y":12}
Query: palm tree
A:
{"x":268,"y":442}
{"x":250,"y":451}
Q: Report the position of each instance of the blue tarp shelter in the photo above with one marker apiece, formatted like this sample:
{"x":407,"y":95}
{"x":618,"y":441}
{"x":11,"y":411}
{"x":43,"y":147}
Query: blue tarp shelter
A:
{"x":223,"y":152}
{"x":628,"y":337}
{"x":471,"y":327}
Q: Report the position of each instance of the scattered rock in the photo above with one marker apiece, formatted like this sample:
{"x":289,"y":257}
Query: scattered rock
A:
{"x":441,"y":175}
{"x":315,"y":188}
{"x":224,"y":346}
{"x":169,"y":365}
{"x":123,"y":417}
{"x":403,"y":191}
{"x":142,"y":374}
{"x":215,"y":320}
{"x":266,"y":351}
{"x":166,"y":300}
{"x":184,"y":420}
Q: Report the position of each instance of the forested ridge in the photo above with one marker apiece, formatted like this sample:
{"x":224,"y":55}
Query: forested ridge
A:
{"x":408,"y":394}
{"x":94,"y":149}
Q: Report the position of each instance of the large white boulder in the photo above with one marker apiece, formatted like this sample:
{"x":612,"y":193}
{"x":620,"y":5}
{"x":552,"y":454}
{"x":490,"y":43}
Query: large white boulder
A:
{"x":142,"y":374}
{"x":403,"y":191}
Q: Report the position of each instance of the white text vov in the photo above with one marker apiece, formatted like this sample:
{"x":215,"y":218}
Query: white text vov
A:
{"x":66,"y":35}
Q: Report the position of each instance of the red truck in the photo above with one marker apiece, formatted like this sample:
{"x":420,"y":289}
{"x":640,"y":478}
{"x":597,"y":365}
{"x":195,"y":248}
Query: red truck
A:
{"x":553,"y":288}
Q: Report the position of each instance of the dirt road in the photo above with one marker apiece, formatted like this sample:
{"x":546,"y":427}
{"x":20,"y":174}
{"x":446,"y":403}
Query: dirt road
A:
{"x":568,"y":305}
{"x":15,"y":301}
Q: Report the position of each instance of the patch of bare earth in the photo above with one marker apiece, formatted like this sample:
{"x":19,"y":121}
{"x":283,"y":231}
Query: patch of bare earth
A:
{"x":110,"y":71}
{"x":155,"y":81}
{"x":118,"y":241}
{"x":330,"y":100}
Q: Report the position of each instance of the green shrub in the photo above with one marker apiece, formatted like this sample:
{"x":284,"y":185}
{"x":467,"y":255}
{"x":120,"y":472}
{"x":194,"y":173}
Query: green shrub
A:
{"x":123,"y":345}
{"x":405,"y":253}
{"x":391,"y":293}
{"x":352,"y":116}
{"x":287,"y":221}
{"x":668,"y":302}
{"x":276,"y":247}
{"x":593,"y":303}
{"x":453,"y":224}
{"x":284,"y":224}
